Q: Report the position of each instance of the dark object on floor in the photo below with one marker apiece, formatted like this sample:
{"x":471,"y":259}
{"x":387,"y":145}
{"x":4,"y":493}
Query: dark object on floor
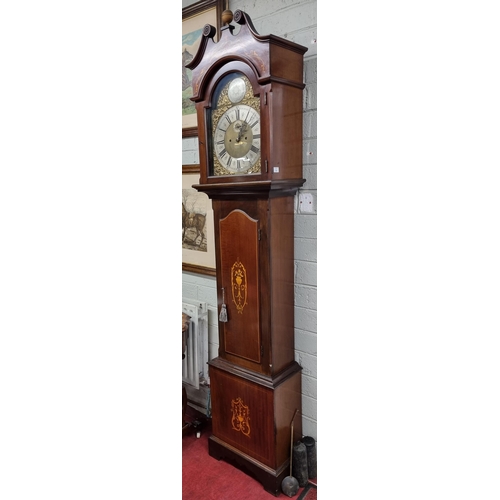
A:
{"x":197,"y":426}
{"x":290,"y":485}
{"x":300,"y":463}
{"x":311,"y":456}
{"x":195,"y":423}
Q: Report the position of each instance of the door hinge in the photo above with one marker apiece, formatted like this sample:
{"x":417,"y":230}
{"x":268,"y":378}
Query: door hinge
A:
{"x":265,"y":163}
{"x":265,"y":98}
{"x":261,"y":351}
{"x":259,"y":234}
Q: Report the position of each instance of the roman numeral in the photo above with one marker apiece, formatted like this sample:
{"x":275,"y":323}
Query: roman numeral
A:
{"x":254,"y":149}
{"x":252,"y":125}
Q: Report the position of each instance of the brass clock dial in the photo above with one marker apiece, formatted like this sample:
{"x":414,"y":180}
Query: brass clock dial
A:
{"x":236,"y":128}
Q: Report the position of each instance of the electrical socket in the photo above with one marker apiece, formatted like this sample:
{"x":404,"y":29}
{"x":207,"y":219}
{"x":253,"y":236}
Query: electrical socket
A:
{"x":305,"y":203}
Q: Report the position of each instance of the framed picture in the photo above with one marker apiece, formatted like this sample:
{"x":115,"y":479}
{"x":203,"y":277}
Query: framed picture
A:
{"x":198,"y":238}
{"x":194,"y":18}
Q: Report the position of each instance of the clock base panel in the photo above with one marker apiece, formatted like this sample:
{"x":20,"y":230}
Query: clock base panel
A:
{"x":251,"y":420}
{"x":269,"y":478}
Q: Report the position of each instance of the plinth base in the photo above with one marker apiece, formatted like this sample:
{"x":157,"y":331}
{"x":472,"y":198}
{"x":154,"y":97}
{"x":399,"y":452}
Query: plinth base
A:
{"x":269,"y":478}
{"x":251,"y":417}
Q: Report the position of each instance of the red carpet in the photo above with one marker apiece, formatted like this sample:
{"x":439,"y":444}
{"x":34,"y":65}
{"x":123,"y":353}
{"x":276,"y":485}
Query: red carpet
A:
{"x":205,"y":478}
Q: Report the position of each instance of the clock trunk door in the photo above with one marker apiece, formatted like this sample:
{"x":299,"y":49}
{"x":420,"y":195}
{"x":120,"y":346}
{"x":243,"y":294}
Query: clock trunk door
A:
{"x":239,"y":275}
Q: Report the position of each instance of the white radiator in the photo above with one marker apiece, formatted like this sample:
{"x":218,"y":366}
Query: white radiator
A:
{"x":195,"y":362}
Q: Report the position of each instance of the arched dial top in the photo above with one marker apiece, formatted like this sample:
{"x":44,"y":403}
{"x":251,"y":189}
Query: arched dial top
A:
{"x":235,"y":127}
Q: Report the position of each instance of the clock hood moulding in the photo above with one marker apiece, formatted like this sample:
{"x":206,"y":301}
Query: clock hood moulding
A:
{"x":271,"y":57}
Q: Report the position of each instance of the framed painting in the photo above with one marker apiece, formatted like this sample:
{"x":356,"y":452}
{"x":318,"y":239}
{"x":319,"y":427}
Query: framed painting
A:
{"x":194,"y":18}
{"x":198,"y":238}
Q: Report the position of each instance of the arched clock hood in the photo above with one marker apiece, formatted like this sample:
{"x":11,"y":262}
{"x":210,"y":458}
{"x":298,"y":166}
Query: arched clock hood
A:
{"x":272,"y":58}
{"x":274,"y":69}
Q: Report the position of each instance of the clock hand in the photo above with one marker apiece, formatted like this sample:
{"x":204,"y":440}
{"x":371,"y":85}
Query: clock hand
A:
{"x":243,"y":128}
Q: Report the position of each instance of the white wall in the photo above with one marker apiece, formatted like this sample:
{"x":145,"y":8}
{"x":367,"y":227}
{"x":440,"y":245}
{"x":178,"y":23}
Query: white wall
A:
{"x":296,"y":21}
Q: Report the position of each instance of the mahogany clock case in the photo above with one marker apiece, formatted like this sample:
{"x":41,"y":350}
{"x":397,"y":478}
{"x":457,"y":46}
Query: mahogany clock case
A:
{"x":255,"y":382}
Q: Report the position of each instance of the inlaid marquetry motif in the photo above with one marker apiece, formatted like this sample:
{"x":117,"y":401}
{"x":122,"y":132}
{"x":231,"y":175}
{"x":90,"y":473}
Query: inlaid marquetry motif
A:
{"x":239,"y":285}
{"x":241,"y":417}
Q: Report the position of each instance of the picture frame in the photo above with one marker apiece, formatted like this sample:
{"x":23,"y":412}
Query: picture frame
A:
{"x":198,"y":235}
{"x":194,"y":18}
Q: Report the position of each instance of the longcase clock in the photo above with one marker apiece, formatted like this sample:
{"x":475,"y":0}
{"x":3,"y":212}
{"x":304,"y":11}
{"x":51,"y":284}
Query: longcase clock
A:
{"x":247,"y":90}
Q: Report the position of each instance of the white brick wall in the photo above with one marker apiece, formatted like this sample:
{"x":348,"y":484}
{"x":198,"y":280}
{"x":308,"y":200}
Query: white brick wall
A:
{"x":296,"y":21}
